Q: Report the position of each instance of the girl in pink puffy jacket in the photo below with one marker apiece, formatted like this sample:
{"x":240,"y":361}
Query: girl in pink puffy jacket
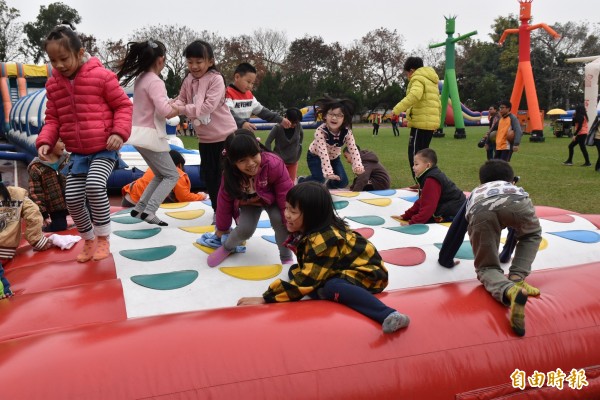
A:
{"x":90,"y":112}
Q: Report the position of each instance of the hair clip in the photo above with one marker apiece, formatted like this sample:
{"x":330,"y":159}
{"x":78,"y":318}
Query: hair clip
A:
{"x":224,"y":152}
{"x":152,"y":44}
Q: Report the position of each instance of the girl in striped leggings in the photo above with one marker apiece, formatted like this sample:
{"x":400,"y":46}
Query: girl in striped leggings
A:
{"x":90,"y":112}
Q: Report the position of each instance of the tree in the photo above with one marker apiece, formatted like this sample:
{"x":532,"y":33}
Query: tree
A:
{"x":269,"y":91}
{"x":271,"y":45}
{"x":110,"y":52}
{"x":10,"y":33}
{"x":175,"y":38}
{"x":48,"y":18}
{"x":480,"y":81}
{"x":384,"y":49}
{"x":237,"y":50}
{"x":560,"y":84}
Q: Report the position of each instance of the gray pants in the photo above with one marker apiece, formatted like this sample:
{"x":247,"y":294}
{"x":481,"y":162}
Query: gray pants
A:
{"x":486,"y":221}
{"x":246,"y":226}
{"x":165,"y":178}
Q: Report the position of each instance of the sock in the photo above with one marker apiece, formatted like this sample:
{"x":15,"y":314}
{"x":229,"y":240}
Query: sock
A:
{"x":88,"y":251}
{"x":153,"y":220}
{"x":518,"y":299}
{"x":134,"y":213}
{"x":395,"y":321}
{"x":102,"y":249}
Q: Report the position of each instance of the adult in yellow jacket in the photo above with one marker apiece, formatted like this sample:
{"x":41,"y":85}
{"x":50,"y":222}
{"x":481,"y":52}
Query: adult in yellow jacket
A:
{"x":421,"y":104}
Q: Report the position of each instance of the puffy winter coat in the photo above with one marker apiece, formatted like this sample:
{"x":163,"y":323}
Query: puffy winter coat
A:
{"x":422,"y":102}
{"x":84,"y":112}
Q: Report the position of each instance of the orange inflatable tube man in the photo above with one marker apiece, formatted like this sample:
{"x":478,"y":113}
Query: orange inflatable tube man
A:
{"x":524,"y":78}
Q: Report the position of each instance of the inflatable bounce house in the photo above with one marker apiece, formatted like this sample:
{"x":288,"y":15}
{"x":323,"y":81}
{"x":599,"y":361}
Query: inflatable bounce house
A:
{"x":154,"y":321}
{"x":308,"y":120}
{"x":469,"y":117}
{"x":23,"y":109}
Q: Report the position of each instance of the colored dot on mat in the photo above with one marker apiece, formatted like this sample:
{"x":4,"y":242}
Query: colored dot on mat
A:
{"x":378,"y":202}
{"x":269,"y":238}
{"x":206,"y":249}
{"x":138,"y":233}
{"x":465,"y":252}
{"x":149,"y":254}
{"x":368,"y":220}
{"x":339,"y":205}
{"x":166,"y":281}
{"x":128,"y":220}
{"x":415,"y":229}
{"x":169,"y":206}
{"x":403,"y":256}
{"x":365,"y":232}
{"x":253,"y":272}
{"x":579,"y":236}
{"x":191,"y":214}
{"x":387,"y":192}
{"x":198,"y":229}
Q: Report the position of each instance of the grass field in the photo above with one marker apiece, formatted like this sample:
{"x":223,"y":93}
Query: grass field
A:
{"x":538,"y":164}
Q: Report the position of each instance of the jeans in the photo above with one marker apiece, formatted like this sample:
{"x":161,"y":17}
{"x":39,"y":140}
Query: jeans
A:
{"x":314,"y":165}
{"x":356,"y":297}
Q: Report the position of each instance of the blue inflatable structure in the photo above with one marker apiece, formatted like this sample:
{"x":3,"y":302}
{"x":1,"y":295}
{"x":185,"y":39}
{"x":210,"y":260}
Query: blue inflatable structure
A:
{"x":308,"y":120}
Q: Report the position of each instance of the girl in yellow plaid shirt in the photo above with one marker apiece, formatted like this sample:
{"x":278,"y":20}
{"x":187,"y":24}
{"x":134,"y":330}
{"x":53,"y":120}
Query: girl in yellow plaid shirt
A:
{"x":334,"y":262}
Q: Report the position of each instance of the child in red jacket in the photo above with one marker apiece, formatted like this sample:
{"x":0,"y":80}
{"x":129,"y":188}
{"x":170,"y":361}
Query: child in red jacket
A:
{"x":91,"y":113}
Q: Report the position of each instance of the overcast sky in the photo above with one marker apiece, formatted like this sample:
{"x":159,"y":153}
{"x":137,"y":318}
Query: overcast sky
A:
{"x":419,"y":21}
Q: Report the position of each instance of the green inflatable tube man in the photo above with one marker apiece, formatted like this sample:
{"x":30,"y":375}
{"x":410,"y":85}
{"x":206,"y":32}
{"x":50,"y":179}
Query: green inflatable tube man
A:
{"x":450,"y":87}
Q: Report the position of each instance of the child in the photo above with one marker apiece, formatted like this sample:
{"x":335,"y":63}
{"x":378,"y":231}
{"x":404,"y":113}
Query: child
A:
{"x":202,"y":100}
{"x":288,"y":141}
{"x":375,"y":176}
{"x":15,"y":208}
{"x":376,"y":123}
{"x":580,"y":121}
{"x":91,"y":113}
{"x":143,"y":62}
{"x":439,"y":198}
{"x":495,"y":204}
{"x":323,"y":155}
{"x":334,"y":262}
{"x":47,"y":187}
{"x":181,"y":192}
{"x":395,"y":120}
{"x":508,"y":134}
{"x":253,"y":179}
{"x":242,"y":102}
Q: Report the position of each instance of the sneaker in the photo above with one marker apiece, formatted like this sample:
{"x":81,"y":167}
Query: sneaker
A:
{"x":569,"y":163}
{"x":587,"y":164}
{"x":395,"y":321}
{"x":217,"y":256}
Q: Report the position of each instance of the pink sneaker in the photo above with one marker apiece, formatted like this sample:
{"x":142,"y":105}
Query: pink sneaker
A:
{"x":217,"y":256}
